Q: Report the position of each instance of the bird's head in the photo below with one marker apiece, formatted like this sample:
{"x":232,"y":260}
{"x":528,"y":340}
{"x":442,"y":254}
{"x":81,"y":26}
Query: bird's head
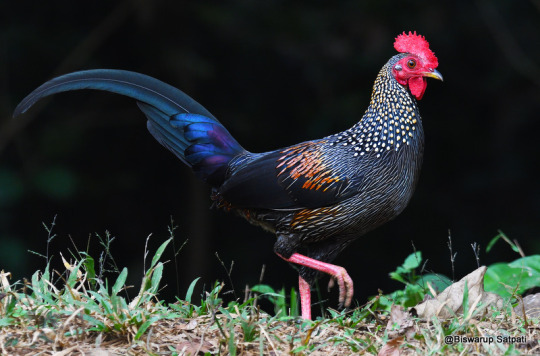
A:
{"x":418,"y":63}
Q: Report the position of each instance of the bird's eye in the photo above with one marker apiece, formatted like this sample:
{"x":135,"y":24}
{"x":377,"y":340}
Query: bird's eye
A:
{"x":411,"y":63}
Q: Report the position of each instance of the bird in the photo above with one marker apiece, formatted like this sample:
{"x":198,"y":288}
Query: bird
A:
{"x":317,"y":196}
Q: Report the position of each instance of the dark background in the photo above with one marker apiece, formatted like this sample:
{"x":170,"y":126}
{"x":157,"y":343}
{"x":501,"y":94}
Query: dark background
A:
{"x":275,"y":73}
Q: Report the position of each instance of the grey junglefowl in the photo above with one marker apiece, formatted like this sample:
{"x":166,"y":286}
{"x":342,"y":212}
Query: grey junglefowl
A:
{"x":316,"y":196}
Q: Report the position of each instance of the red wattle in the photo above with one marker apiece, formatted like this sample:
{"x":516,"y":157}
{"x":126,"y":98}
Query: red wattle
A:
{"x":417,"y":86}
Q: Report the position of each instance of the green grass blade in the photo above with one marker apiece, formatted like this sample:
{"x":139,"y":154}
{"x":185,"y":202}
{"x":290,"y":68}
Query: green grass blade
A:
{"x":232,"y":345}
{"x":120,"y":282}
{"x":156,"y":278}
{"x":294,"y":303}
{"x":145,"y":326}
{"x":466,"y":300}
{"x":89,"y":267}
{"x":189,"y":293}
{"x":159,"y":252}
{"x":73,"y":275}
{"x":502,"y":235}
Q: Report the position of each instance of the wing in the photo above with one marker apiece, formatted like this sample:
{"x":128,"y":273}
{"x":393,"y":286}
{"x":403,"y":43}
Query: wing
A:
{"x":308,"y":175}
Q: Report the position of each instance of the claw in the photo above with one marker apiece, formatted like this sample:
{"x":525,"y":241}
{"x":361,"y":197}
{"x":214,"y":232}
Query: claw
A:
{"x":331,"y":283}
{"x":345,"y":284}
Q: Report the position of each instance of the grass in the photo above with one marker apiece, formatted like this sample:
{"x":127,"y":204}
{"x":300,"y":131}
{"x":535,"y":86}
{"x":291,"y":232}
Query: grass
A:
{"x":79,"y":311}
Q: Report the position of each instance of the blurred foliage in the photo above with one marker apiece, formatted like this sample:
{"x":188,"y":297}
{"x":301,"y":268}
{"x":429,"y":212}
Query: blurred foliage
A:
{"x":12,"y":187}
{"x":57,"y":183}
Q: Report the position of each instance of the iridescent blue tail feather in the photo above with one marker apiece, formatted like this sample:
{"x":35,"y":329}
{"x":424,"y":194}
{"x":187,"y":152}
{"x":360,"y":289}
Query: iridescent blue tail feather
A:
{"x":175,"y":120}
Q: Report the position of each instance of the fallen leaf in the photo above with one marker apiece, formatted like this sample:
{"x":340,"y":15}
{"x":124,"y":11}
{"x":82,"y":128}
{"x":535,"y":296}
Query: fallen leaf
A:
{"x":189,"y":326}
{"x":450,"y":301}
{"x":400,"y":323}
{"x":65,"y":352}
{"x":531,"y":305}
{"x":391,"y":348}
{"x":100,"y":352}
{"x":193,"y":347}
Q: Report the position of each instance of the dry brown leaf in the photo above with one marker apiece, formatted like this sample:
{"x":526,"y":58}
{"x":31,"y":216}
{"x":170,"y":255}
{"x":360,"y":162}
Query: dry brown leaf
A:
{"x":400,"y":323}
{"x":65,"y":352}
{"x":4,"y":280}
{"x":193,"y":347}
{"x":100,"y":352}
{"x":391,"y":348}
{"x":450,"y":301}
{"x":188,"y":326}
{"x":531,"y":304}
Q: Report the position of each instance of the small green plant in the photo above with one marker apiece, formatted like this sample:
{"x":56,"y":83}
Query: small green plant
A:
{"x":279,"y":299}
{"x":516,"y":277}
{"x":416,"y":285}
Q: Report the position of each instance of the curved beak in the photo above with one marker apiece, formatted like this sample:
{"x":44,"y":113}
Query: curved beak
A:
{"x":435,"y":74}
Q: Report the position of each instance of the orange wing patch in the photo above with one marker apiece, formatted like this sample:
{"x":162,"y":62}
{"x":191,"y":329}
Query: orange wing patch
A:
{"x":310,"y":217}
{"x":305,"y":161}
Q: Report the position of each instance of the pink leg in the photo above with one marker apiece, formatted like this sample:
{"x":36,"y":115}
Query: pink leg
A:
{"x":305,"y":298}
{"x":343,"y":279}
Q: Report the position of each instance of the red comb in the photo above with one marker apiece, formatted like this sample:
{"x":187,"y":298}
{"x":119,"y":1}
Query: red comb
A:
{"x":416,"y":44}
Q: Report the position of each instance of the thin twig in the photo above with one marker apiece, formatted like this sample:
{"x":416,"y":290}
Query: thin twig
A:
{"x":452,"y":254}
{"x":146,"y":251}
{"x":229,"y":272}
{"x":521,"y":253}
{"x":50,"y":235}
{"x":171,"y":229}
{"x":476,"y":250}
{"x":269,"y":339}
{"x":263,"y":269}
